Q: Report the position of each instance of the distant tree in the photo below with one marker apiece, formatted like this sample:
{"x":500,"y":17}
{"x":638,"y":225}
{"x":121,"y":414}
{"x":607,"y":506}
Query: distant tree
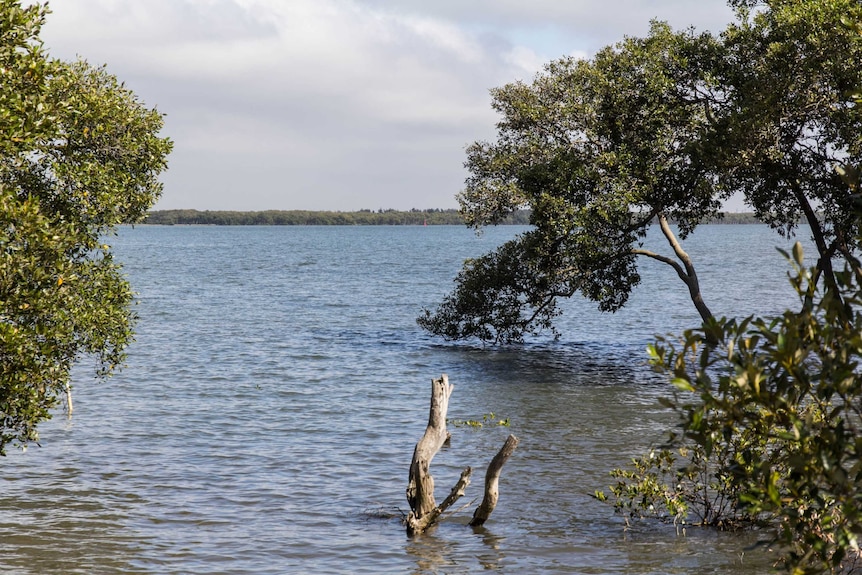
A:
{"x":79,"y":154}
{"x":306,"y":218}
{"x":659,"y":129}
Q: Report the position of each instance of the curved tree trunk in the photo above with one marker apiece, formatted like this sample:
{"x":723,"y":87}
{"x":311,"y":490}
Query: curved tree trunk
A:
{"x":824,"y":261}
{"x":688,"y":275}
{"x":684,"y":270}
{"x":492,"y":480}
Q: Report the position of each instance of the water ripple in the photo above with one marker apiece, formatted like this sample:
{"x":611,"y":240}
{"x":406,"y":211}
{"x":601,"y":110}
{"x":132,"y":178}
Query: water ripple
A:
{"x":277,"y":389}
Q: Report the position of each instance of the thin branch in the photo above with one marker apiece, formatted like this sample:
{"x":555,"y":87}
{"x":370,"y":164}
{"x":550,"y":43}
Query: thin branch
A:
{"x":675,"y":245}
{"x":664,"y":259}
{"x":642,"y":222}
{"x":416,"y":525}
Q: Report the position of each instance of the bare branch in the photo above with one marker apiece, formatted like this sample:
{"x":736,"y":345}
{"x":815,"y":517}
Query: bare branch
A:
{"x":492,"y":480}
{"x":664,"y":259}
{"x":416,"y":525}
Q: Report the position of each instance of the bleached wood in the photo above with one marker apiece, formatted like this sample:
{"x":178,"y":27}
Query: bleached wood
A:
{"x":424,"y":511}
{"x":420,"y":486}
{"x":492,"y":481}
{"x":417,"y":525}
{"x":69,"y":407}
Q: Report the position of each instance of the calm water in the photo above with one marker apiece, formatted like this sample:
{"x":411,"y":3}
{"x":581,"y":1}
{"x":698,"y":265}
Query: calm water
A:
{"x":267,"y":416}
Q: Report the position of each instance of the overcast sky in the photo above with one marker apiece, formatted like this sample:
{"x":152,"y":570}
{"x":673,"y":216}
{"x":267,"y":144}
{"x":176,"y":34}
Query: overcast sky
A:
{"x":335,"y":104}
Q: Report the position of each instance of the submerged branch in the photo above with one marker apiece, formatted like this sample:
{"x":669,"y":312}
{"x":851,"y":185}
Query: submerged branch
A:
{"x":420,"y":486}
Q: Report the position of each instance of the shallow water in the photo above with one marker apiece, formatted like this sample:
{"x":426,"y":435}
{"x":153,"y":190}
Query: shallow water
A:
{"x":267,"y":416}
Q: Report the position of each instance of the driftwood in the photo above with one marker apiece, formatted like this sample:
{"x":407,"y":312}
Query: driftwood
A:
{"x":424,"y":511}
{"x":492,"y":480}
{"x":420,"y":487}
{"x":68,"y":399}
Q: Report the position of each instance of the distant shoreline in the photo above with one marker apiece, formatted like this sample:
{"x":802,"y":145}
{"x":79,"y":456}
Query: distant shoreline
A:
{"x":432,"y":217}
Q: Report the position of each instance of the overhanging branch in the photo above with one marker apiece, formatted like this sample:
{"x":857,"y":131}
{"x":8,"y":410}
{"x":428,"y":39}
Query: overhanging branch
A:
{"x":664,"y":259}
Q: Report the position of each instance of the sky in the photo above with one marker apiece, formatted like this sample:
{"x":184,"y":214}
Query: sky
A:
{"x":336,"y":104}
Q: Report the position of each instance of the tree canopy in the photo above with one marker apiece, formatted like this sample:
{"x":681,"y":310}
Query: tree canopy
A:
{"x":770,"y":425}
{"x":79,"y":154}
{"x":653,"y":130}
{"x":790,"y":125}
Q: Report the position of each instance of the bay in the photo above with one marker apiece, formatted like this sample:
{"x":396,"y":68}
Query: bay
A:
{"x":266,"y":418}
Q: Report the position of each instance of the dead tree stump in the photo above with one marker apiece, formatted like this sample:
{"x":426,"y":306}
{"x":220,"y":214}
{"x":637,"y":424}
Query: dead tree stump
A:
{"x":420,"y":487}
{"x":424,"y":511}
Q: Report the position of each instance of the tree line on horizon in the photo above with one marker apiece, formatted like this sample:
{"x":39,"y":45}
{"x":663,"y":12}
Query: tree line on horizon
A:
{"x":415,"y":217}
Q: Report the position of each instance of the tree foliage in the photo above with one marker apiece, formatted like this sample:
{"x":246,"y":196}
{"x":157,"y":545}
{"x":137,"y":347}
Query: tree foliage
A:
{"x":597,"y":149}
{"x":79,"y":154}
{"x":659,"y":129}
{"x":771,"y":411}
{"x":792,"y":68}
{"x":770,"y":425}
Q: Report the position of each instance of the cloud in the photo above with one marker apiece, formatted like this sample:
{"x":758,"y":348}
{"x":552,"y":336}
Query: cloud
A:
{"x":610,"y":19}
{"x":325,"y":104}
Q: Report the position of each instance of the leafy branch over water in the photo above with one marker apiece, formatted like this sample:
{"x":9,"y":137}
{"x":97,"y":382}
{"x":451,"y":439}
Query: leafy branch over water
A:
{"x":770,"y":428}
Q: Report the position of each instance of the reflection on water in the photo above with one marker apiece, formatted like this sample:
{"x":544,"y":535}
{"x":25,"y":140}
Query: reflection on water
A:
{"x":277,"y":389}
{"x":492,"y":558}
{"x":437,"y":551}
{"x":431,"y":554}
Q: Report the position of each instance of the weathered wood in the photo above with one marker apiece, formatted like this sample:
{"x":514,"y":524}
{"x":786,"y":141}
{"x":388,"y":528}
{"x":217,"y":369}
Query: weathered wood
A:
{"x":492,"y":480}
{"x":69,"y":407}
{"x":420,"y":525}
{"x":420,"y":486}
{"x":424,"y":511}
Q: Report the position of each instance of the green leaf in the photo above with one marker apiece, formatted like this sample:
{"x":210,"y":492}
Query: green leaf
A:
{"x":798,"y":255}
{"x":62,"y":299}
{"x":682,"y":384}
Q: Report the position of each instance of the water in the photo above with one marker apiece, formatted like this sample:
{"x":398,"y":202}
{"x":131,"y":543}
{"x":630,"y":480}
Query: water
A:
{"x":267,"y":416}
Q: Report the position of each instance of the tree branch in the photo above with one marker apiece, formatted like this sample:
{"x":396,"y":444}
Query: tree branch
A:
{"x":690,"y":277}
{"x":642,"y":222}
{"x":824,"y":261}
{"x":492,"y":480}
{"x":664,"y":259}
{"x":417,"y":525}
